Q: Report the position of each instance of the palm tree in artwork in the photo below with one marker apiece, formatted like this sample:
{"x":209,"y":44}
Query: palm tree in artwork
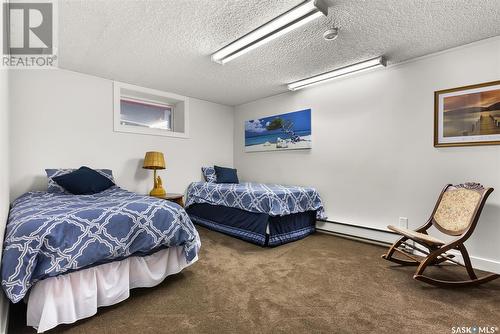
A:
{"x":286,"y":126}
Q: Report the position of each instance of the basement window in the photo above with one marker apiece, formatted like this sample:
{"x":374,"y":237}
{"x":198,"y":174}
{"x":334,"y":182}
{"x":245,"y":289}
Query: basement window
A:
{"x":146,"y":111}
{"x":145,"y":114}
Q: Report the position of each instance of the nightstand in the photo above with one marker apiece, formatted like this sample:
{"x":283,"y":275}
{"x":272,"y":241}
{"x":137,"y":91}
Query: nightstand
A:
{"x":176,"y":198}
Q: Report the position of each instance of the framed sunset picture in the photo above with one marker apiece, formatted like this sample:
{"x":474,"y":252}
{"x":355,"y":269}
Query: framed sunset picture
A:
{"x":466,"y":116}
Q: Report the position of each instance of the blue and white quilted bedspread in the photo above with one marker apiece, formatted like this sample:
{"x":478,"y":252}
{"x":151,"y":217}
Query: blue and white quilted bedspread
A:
{"x":49,"y":234}
{"x":272,"y":199}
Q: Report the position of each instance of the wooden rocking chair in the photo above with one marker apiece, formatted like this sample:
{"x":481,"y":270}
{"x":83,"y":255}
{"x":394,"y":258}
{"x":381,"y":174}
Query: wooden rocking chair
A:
{"x":456,"y":214}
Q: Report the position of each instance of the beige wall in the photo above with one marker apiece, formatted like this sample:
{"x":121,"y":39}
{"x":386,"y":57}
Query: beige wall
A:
{"x":373,"y":159}
{"x":65,"y":119}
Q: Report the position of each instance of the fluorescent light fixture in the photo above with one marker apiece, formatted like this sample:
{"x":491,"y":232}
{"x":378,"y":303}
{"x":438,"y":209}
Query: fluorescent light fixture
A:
{"x":286,"y":22}
{"x":340,"y":72}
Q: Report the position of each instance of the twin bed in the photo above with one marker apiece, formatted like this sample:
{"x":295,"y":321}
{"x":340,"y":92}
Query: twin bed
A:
{"x":265,"y":214}
{"x":66,"y":255}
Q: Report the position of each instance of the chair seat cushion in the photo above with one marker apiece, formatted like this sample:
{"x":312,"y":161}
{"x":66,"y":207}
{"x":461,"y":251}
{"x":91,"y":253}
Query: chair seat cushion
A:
{"x":417,"y":236}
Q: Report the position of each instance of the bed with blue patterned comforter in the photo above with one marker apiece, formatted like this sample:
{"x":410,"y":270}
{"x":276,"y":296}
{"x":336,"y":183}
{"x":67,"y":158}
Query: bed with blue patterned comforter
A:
{"x":49,"y":234}
{"x":272,"y":199}
{"x":291,"y":206}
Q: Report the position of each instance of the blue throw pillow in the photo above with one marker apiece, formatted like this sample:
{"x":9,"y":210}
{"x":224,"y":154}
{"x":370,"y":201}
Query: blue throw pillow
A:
{"x":53,"y":187}
{"x":84,"y":181}
{"x":209,"y":174}
{"x":226,"y":175}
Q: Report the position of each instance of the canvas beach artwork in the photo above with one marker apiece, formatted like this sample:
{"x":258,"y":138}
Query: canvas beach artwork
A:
{"x":290,"y":131}
{"x":468,"y":115}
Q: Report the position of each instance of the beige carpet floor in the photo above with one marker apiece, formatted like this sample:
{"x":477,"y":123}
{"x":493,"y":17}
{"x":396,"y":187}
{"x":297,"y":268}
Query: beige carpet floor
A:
{"x":322,"y":284}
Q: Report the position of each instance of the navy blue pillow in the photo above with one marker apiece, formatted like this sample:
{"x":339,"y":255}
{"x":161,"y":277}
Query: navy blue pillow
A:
{"x":84,"y":181}
{"x":226,"y":175}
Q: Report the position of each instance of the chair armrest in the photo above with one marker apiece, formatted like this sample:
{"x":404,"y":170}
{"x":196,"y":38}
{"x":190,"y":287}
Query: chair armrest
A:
{"x":425,"y":227}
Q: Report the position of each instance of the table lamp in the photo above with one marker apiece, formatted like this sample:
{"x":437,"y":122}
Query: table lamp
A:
{"x":155,"y":161}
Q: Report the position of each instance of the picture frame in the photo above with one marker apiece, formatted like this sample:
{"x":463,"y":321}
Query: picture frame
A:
{"x":467,"y":115}
{"x":281,"y":132}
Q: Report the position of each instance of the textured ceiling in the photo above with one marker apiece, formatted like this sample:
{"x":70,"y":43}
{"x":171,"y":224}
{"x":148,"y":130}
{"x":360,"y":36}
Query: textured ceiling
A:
{"x":167,"y":44}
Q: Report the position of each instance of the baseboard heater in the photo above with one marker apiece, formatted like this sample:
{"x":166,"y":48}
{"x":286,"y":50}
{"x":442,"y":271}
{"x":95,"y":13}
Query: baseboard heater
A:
{"x":386,"y":238}
{"x":356,"y":232}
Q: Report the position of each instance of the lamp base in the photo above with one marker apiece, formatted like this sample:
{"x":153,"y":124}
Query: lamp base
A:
{"x":158,"y":192}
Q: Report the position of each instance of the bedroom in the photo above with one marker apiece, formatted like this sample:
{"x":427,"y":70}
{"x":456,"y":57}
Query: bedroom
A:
{"x":372,"y":152}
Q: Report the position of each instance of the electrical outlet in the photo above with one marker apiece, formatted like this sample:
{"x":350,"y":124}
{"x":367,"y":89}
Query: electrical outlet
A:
{"x":403,"y":222}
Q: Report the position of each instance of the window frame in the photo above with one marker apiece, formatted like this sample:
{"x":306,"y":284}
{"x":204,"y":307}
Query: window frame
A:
{"x":147,"y":102}
{"x":177,"y":103}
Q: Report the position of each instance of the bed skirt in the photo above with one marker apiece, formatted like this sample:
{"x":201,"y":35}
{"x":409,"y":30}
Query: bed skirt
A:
{"x":258,"y":228}
{"x":77,"y":295}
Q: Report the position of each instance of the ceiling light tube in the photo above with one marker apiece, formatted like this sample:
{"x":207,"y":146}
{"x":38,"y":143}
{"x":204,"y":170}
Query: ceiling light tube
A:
{"x":286,"y":22}
{"x":340,"y":72}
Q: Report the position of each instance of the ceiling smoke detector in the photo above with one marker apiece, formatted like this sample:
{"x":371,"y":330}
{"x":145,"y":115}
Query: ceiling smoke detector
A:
{"x":331,"y":34}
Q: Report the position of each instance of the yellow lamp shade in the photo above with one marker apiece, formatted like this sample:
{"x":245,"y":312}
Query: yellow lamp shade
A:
{"x":154,"y":160}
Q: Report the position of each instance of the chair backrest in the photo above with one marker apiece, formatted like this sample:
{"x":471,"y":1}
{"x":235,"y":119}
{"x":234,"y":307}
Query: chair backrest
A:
{"x":459,"y":207}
